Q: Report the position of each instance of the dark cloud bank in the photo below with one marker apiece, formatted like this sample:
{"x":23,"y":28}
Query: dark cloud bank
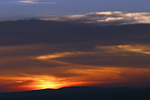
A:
{"x":24,"y":32}
{"x":48,"y":37}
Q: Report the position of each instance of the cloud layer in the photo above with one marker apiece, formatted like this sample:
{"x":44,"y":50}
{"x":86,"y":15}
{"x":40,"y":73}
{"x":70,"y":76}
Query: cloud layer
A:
{"x":70,"y":52}
{"x":110,"y":18}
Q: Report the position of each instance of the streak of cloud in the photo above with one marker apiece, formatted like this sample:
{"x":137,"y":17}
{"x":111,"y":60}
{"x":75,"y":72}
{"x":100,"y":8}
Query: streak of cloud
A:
{"x":143,"y":49}
{"x":29,"y":2}
{"x":64,"y":54}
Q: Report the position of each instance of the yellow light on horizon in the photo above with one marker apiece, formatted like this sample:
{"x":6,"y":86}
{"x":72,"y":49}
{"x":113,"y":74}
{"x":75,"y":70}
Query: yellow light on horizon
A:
{"x":45,"y":84}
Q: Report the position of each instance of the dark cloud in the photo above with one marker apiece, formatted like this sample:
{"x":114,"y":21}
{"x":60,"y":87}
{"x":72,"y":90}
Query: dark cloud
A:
{"x":110,"y":60}
{"x":27,"y":62}
{"x":28,"y":39}
{"x":37,"y":31}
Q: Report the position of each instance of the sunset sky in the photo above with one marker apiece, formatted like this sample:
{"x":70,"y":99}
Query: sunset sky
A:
{"x":100,"y":43}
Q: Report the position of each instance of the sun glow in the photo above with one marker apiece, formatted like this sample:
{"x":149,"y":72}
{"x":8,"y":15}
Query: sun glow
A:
{"x":38,"y":82}
{"x":45,"y":84}
{"x":84,"y":77}
{"x":55,"y":83}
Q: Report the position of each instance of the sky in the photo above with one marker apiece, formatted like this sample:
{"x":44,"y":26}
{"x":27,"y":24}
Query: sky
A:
{"x":93,"y":43}
{"x":11,"y":9}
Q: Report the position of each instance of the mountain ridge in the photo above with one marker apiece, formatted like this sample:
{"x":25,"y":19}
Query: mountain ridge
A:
{"x":81,"y":93}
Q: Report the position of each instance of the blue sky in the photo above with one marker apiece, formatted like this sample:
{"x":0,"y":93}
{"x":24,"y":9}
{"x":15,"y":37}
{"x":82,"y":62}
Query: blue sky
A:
{"x":45,"y":8}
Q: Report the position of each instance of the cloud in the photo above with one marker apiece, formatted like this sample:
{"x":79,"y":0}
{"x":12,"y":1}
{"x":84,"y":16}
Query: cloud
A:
{"x":52,"y":44}
{"x":79,"y":34}
{"x":110,"y":18}
{"x":27,"y":2}
{"x":114,"y":56}
{"x":70,"y":49}
{"x":63,"y":54}
{"x":128,"y":48}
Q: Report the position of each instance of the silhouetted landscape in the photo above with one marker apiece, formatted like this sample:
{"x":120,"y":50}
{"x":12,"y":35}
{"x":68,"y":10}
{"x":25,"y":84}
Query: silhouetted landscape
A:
{"x":81,"y":93}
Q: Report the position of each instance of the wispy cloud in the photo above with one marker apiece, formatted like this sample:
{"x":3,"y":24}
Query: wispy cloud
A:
{"x":143,"y":49}
{"x":110,"y":18}
{"x":63,"y":54}
{"x":26,"y":2}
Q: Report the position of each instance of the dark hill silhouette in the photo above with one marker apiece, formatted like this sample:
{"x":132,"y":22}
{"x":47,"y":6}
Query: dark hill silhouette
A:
{"x":81,"y":93}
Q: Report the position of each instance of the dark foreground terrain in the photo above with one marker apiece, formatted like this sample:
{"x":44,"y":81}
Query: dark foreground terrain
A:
{"x":81,"y":93}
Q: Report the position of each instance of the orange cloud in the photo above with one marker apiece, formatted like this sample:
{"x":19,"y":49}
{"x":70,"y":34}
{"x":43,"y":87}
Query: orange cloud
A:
{"x":135,"y":48}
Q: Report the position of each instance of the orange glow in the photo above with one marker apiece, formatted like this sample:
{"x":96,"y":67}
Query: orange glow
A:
{"x":45,"y":84}
{"x":83,"y":77}
{"x":37,"y":82}
{"x":50,"y":82}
